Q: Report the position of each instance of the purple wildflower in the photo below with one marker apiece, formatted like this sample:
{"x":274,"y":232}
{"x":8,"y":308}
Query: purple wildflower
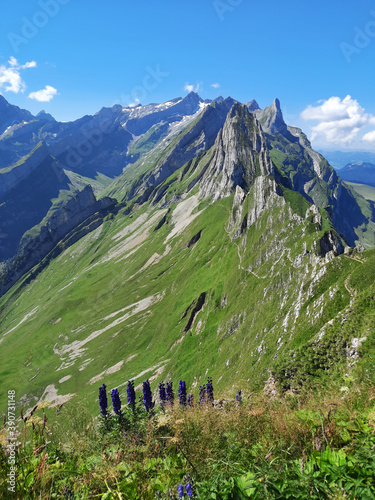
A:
{"x":239,"y":396}
{"x":131,"y":393}
{"x":170,"y":393}
{"x":180,"y":490}
{"x":210,"y":390}
{"x":182,"y":393}
{"x":116,"y":403}
{"x":147,"y":396}
{"x":103,"y":402}
{"x":190,"y":401}
{"x":189,"y":490}
{"x":162,"y":395}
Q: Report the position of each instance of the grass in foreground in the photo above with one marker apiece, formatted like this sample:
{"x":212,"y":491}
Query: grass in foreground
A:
{"x":316,"y":446}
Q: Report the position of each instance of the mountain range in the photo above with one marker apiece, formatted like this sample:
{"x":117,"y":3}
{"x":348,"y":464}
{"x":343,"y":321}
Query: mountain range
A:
{"x":189,"y":237}
{"x":339,"y":159}
{"x":360,"y":172}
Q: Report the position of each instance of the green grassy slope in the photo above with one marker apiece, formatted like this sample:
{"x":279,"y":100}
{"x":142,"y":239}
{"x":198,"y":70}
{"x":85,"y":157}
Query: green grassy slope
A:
{"x":368,"y":192}
{"x":120,"y":303}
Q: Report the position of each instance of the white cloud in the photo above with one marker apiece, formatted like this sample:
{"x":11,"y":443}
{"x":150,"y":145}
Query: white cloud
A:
{"x":192,"y":88}
{"x":215,"y":85}
{"x":370,"y":137}
{"x":44,"y":95}
{"x":189,"y":88}
{"x":135,"y":103}
{"x":13,"y":61}
{"x":31,"y":64}
{"x":340,"y":121}
{"x":10,"y":78}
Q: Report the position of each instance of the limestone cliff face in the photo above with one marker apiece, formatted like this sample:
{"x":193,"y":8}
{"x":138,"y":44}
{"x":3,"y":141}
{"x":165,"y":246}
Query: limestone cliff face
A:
{"x":75,"y":212}
{"x":240,"y":156}
{"x":263,"y":195}
{"x":77,"y":217}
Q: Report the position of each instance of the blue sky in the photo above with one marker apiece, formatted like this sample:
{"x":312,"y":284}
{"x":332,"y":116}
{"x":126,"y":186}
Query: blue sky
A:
{"x":85,"y":54}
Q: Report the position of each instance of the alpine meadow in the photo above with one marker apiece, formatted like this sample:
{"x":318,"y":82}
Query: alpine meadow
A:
{"x":187,"y":288}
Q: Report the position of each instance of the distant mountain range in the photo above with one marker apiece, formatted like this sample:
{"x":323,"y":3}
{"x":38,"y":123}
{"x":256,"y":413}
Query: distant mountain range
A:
{"x":339,"y":159}
{"x":11,"y":116}
{"x":360,"y":172}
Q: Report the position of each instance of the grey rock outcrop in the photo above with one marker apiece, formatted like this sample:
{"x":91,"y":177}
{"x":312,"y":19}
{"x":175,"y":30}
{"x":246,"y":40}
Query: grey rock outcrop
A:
{"x":265,"y":194}
{"x":315,"y":215}
{"x":42,"y":115}
{"x":271,"y":118}
{"x":240,"y":156}
{"x":75,"y":212}
{"x":252,"y":105}
{"x":331,"y":242}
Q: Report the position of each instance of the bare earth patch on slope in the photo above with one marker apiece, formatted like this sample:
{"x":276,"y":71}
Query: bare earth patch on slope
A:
{"x":76,"y":348}
{"x":134,"y":235}
{"x":113,"y":369}
{"x":183,"y":215}
{"x":25,"y":318}
{"x":51,"y":396}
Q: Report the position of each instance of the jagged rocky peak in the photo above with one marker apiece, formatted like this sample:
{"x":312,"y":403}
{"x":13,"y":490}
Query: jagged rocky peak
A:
{"x":105,"y":119}
{"x":240,"y":155}
{"x":191,"y":102}
{"x":253,"y":105}
{"x":11,"y":115}
{"x":42,"y":115}
{"x":197,"y":140}
{"x":112,"y":111}
{"x":271,"y":118}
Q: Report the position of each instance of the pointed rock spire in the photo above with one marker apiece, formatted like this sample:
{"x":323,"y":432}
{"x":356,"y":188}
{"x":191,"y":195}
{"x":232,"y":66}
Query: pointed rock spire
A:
{"x":271,"y":119}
